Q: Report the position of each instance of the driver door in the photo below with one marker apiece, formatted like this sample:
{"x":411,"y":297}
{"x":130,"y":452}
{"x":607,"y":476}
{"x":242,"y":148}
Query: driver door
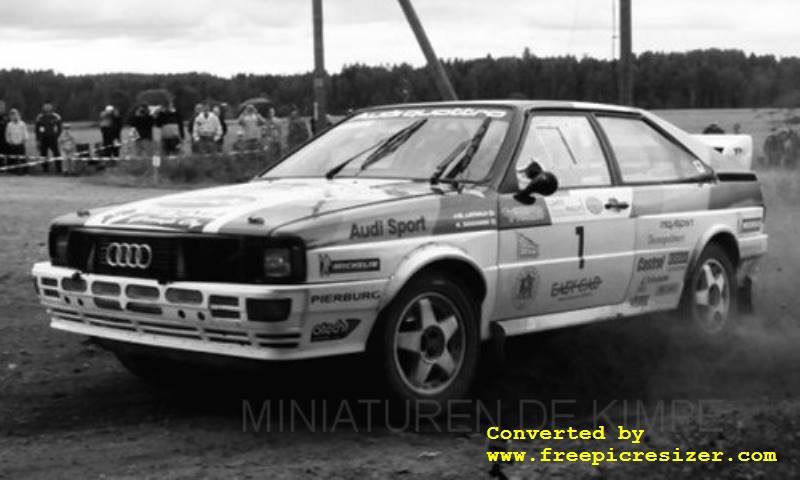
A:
{"x":574,"y":249}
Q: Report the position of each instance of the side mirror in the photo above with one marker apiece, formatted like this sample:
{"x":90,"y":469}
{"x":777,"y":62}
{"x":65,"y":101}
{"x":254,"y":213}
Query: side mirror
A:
{"x":541,"y":182}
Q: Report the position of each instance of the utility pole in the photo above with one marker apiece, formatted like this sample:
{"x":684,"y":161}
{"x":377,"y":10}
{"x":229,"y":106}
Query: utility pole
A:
{"x":434,"y":65}
{"x":320,"y":98}
{"x":626,"y":54}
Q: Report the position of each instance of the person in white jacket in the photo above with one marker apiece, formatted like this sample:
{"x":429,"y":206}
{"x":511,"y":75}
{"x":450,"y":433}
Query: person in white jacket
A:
{"x":206,"y":131}
{"x":16,"y":136}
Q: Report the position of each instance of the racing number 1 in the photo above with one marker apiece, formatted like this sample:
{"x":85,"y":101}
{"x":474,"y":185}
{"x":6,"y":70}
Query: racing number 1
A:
{"x":579,"y":233}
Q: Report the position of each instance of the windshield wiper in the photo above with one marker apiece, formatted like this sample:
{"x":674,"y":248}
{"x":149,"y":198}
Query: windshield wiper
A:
{"x":463,"y":163}
{"x":393,"y":143}
{"x":380,"y":145}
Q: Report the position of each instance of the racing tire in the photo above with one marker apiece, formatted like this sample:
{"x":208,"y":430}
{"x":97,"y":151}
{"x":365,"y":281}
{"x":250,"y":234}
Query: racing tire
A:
{"x":710,"y":300}
{"x":427,"y":343}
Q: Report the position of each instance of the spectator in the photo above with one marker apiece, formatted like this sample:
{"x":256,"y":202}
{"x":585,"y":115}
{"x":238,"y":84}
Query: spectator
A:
{"x":221,"y":116}
{"x":713,"y":129}
{"x":251,"y":122}
{"x":197,"y":109}
{"x":16,"y":134}
{"x":48,"y":129}
{"x":142,"y":123}
{"x":298,"y":129}
{"x":737,"y":129}
{"x":172,"y":133}
{"x":3,"y":123}
{"x":111,"y":130}
{"x":206,"y":131}
{"x":68,"y":150}
{"x":274,"y":136}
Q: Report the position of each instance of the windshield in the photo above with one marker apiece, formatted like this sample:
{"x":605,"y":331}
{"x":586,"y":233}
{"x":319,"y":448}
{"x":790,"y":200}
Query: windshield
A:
{"x":401,"y":143}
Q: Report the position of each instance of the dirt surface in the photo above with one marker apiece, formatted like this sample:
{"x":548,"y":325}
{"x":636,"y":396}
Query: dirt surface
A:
{"x":69,"y":410}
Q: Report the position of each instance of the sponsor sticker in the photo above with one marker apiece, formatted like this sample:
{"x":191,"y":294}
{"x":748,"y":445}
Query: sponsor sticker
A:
{"x":524,"y":214}
{"x":668,"y":289}
{"x":477,"y":218}
{"x":578,"y":288}
{"x":699,"y":166}
{"x":678,"y":258}
{"x":676,"y":223}
{"x":391,"y":227}
{"x":594,"y":205}
{"x":663,"y":240}
{"x":327,"y":331}
{"x":344,"y":297}
{"x":648,"y":264}
{"x":327,"y":266}
{"x":526,"y":248}
{"x":525,"y":286}
{"x":648,"y":280}
{"x":565,"y":206}
{"x":433,"y":112}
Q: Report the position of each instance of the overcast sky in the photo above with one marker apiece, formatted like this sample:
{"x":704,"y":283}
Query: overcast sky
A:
{"x":274,"y":36}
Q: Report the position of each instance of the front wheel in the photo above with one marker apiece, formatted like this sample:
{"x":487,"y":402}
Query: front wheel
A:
{"x":428,"y":342}
{"x":710,"y":296}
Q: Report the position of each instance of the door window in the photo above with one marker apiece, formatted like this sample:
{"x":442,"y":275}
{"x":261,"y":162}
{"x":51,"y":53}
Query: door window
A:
{"x":567,"y":146}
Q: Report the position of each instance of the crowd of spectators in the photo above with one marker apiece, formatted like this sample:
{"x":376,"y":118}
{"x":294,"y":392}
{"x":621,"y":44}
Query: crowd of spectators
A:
{"x":205,"y":132}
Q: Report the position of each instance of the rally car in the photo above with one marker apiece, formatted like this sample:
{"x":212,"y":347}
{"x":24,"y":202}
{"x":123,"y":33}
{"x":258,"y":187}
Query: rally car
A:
{"x":413,"y":233}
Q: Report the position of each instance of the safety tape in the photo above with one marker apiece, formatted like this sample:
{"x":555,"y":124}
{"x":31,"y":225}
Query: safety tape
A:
{"x":33,"y":160}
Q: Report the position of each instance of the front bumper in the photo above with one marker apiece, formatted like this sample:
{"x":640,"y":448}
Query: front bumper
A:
{"x":209,"y":317}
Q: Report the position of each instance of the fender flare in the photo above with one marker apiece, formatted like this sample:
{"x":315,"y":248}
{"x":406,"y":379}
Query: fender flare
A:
{"x":418,"y":259}
{"x":704,"y":240}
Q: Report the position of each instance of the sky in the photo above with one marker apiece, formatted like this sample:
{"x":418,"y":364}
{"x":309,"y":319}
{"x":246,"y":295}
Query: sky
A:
{"x":226,"y":37}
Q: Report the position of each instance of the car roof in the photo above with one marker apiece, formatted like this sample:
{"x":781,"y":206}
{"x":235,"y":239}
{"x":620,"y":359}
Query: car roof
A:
{"x":516,"y":104}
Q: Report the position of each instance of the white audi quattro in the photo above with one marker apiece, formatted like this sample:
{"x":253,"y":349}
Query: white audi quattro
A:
{"x":413,"y":233}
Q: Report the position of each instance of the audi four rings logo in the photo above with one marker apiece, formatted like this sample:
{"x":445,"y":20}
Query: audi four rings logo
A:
{"x":129,"y":255}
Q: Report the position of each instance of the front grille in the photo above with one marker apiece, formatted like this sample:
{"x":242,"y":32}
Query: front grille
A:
{"x":187,"y":257}
{"x":163,"y":262}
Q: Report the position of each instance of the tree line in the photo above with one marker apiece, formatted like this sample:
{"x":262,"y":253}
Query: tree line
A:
{"x":709,"y":78}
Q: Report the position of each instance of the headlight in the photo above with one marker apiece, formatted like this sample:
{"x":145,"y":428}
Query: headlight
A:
{"x":58,"y":244}
{"x":277,"y":263}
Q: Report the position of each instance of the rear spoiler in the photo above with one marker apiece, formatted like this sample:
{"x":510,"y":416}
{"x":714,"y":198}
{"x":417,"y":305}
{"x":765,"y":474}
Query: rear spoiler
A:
{"x":737,"y":149}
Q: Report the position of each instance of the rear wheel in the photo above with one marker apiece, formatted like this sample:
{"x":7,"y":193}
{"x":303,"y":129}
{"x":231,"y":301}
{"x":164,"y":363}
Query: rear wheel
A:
{"x":428,"y":342}
{"x":710,"y":296}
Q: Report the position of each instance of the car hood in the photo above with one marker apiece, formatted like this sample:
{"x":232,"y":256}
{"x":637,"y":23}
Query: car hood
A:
{"x":261,"y":204}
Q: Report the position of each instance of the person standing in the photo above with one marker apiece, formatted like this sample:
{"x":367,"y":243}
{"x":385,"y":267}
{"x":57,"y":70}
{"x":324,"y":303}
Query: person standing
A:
{"x":206,"y":131}
{"x":142,"y":123}
{"x":197,"y":110}
{"x":16,"y":135}
{"x":251,"y":122}
{"x":68,"y":150}
{"x":48,"y":129}
{"x":111,"y":130}
{"x":274,"y":135}
{"x":217,"y":110}
{"x":169,"y":121}
{"x":3,"y":144}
